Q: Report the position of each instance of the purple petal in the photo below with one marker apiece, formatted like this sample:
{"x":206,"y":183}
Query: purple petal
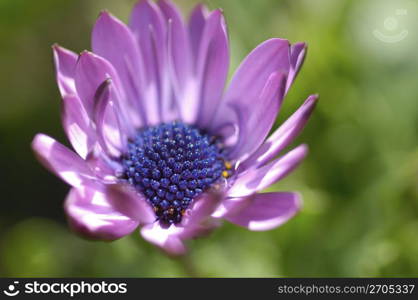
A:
{"x":297,"y":56}
{"x":62,"y":161}
{"x":77,"y":125}
{"x":196,"y":26}
{"x":65,"y":62}
{"x":202,"y":208}
{"x":75,"y":121}
{"x":267,"y":211}
{"x":212,"y":67}
{"x":179,"y":60}
{"x":91,"y":71}
{"x":255,"y":180}
{"x":127,"y":201}
{"x":90,"y":214}
{"x":179,"y":45}
{"x":197,"y":222}
{"x":250,"y":79}
{"x":166,"y":238}
{"x":282,"y":137}
{"x":149,"y":28}
{"x":148,"y":25}
{"x":230,"y":206}
{"x":114,"y":41}
{"x":112,"y":129}
{"x":255,"y":122}
{"x":105,"y":169}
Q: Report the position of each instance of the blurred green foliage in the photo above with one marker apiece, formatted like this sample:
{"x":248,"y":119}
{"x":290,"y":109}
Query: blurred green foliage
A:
{"x":360,"y":181}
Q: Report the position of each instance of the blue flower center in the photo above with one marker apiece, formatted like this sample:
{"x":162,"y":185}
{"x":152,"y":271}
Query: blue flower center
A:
{"x":172,"y":164}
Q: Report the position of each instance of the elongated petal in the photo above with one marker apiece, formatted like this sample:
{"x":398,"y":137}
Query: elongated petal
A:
{"x":212,"y":67}
{"x":282,"y":137}
{"x":61,"y":161}
{"x":148,"y":25}
{"x":250,"y":79}
{"x":256,"y":121}
{"x":114,"y":41}
{"x":128,"y":202}
{"x":267,"y":211}
{"x":179,"y":62}
{"x":65,"y":62}
{"x":90,"y":214}
{"x":77,"y":125}
{"x":75,"y":121}
{"x":197,"y":24}
{"x":255,"y":180}
{"x":166,"y":238}
{"x":149,"y":28}
{"x":179,"y":48}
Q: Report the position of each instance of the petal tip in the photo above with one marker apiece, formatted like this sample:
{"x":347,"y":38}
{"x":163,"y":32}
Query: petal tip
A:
{"x":298,"y":202}
{"x":55,"y":46}
{"x":312,"y":99}
{"x":40,"y":139}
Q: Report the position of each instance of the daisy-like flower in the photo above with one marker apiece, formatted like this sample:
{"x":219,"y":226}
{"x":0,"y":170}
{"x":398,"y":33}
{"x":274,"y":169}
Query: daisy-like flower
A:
{"x":159,"y":142}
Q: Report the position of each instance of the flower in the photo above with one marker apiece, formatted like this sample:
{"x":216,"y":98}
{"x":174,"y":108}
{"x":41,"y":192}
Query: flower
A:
{"x":158,"y":142}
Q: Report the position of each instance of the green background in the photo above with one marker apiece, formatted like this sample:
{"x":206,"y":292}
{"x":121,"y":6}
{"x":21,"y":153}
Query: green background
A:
{"x":359,"y":182}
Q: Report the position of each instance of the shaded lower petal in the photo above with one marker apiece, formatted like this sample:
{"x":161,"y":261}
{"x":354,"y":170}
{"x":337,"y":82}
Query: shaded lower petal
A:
{"x":127,"y":201}
{"x":167,"y":239}
{"x":91,"y":215}
{"x":62,"y":161}
{"x":282,"y":137}
{"x":197,"y":222}
{"x":202,"y":208}
{"x":257,"y":179}
{"x":267,"y":211}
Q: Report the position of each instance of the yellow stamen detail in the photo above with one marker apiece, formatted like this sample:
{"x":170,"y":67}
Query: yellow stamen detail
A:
{"x":228,"y":165}
{"x":225,"y":174}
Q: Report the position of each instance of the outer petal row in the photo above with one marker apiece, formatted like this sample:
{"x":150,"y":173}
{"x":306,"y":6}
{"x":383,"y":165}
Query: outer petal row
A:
{"x":257,"y":179}
{"x":266,"y":211}
{"x":90,"y":214}
{"x":94,"y":210}
{"x":282,"y":137}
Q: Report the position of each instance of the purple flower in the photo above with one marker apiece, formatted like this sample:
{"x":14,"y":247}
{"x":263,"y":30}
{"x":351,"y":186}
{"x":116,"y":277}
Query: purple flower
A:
{"x":159,"y":142}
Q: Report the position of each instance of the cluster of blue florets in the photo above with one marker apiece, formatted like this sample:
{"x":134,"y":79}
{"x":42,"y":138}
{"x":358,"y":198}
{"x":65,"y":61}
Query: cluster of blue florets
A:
{"x":172,"y":164}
